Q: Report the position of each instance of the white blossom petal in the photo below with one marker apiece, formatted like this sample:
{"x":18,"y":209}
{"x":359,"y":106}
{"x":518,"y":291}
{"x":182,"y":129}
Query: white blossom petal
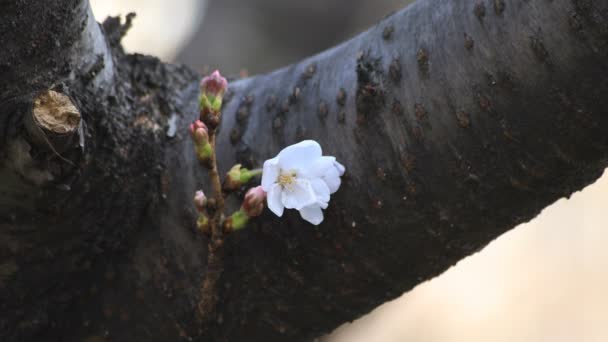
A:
{"x":312,"y":214}
{"x":320,"y":166}
{"x":321,"y":191}
{"x":341,"y":169}
{"x":274,"y":200}
{"x":299,"y":156}
{"x":332,"y":179}
{"x":298,"y":195}
{"x":328,"y":169}
{"x":270,"y":173}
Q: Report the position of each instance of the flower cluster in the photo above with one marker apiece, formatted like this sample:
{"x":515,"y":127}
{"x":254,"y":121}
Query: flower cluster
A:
{"x":203,"y":133}
{"x":301,"y":178}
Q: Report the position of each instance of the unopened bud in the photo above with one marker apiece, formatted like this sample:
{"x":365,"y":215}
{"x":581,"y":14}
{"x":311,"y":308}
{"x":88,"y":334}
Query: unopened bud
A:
{"x":200,"y":136}
{"x":213,"y":88}
{"x":214,"y":85}
{"x":237,"y":221}
{"x":203,"y":224}
{"x":204,"y":153}
{"x":238,"y":176}
{"x":200,"y":201}
{"x":253,"y":204}
{"x":199,"y":132}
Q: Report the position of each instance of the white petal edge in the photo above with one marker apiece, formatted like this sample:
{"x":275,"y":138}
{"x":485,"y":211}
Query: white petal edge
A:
{"x":340,"y":167}
{"x":299,"y":156}
{"x":312,"y":214}
{"x":270,"y":173}
{"x":332,"y":179}
{"x":274,"y":200}
{"x":299,"y":196}
{"x":321,"y":191}
{"x":320,"y":166}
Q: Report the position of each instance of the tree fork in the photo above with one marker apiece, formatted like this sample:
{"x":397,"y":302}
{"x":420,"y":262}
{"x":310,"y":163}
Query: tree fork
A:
{"x":456,"y":121}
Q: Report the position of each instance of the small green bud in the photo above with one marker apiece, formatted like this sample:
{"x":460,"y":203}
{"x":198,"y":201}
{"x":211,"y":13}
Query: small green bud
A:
{"x":237,"y":221}
{"x":238,"y":176}
{"x":204,"y":152}
{"x":202,"y":223}
{"x":199,"y":132}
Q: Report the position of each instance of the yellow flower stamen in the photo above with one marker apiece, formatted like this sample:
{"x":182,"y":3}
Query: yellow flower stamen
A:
{"x":287,"y":179}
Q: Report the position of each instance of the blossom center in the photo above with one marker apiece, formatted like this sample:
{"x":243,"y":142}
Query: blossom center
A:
{"x":287,"y":179}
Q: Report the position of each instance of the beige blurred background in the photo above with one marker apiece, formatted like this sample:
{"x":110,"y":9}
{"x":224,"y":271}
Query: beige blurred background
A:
{"x":543,"y":281}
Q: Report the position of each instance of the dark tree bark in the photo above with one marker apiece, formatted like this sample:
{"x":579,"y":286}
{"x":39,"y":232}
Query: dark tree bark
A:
{"x":456,"y":121}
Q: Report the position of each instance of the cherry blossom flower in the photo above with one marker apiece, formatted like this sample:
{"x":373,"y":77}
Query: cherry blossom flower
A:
{"x":300,"y":178}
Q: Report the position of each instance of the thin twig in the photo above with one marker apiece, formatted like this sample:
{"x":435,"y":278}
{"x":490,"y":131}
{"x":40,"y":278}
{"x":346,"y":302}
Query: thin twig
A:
{"x":215,"y":261}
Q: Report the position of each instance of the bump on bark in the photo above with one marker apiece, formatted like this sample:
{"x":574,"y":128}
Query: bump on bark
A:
{"x":463,"y":119}
{"x":323,"y":110}
{"x":387,"y":33}
{"x":310,"y":71}
{"x":370,"y":96}
{"x":538,"y":47}
{"x":394,"y":71}
{"x":499,"y":6}
{"x":341,"y":97}
{"x":422,"y":57}
{"x":479,"y":9}
{"x":469,"y":43}
{"x":420,"y":111}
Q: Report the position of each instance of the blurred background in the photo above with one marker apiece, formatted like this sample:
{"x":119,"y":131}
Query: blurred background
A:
{"x":543,"y":281}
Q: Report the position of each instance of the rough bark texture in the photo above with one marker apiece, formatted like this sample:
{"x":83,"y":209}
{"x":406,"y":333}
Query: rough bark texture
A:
{"x":456,"y":121}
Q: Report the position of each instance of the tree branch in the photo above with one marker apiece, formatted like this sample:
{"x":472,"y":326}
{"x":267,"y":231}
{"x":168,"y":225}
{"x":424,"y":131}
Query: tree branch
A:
{"x":454,"y":124}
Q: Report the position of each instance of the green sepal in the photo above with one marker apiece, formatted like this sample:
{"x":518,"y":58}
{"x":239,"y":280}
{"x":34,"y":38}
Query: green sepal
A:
{"x":210,"y":103}
{"x":242,"y":175}
{"x":216,"y":104}
{"x":239,"y":219}
{"x":202,"y":223}
{"x":247,"y":175}
{"x":204,"y":151}
{"x":204,"y":102}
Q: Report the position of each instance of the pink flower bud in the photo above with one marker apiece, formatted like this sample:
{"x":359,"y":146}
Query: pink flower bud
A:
{"x":199,"y":132}
{"x":200,"y":200}
{"x":214,"y":84}
{"x":254,"y":201}
{"x":198,"y":124}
